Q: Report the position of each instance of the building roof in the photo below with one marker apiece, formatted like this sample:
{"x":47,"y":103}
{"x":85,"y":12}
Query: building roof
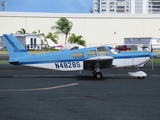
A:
{"x":28,"y":34}
{"x":78,"y":15}
{"x":141,"y":37}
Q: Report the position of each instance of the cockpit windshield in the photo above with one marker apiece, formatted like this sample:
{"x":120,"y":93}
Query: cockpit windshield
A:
{"x":102,"y":51}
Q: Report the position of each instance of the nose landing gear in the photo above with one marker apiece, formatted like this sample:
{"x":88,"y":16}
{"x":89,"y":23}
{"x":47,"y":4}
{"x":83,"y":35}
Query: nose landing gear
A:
{"x":138,"y":74}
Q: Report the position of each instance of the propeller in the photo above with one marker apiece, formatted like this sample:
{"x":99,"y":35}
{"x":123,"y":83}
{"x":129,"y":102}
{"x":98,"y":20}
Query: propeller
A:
{"x":151,"y":47}
{"x":152,"y":57}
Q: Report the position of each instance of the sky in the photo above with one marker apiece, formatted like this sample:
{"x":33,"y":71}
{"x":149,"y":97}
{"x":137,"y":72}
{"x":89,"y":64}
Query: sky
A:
{"x":51,"y":6}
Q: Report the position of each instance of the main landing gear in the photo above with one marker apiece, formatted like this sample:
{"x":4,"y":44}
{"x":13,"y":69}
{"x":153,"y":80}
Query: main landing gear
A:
{"x":97,"y":74}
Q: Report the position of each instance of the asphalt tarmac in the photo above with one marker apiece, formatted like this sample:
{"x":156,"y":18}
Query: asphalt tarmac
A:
{"x":38,"y":94}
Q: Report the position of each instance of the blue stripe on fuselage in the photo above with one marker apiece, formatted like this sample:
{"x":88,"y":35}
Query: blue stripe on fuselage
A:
{"x":127,"y":55}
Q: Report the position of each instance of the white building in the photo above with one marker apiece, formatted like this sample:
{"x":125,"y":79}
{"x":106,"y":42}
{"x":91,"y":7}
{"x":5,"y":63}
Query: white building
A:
{"x":29,"y":41}
{"x":126,"y":6}
{"x":96,"y":29}
{"x":153,"y":42}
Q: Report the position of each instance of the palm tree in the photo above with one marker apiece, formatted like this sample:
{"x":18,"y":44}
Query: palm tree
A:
{"x":34,"y":32}
{"x":22,"y":31}
{"x":90,"y":10}
{"x":64,"y":26}
{"x":52,"y":36}
{"x":76,"y":39}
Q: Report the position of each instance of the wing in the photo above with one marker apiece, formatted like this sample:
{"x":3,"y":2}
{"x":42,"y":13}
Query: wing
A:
{"x":101,"y":62}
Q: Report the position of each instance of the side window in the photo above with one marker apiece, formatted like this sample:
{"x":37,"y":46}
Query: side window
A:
{"x":31,"y":42}
{"x":35,"y":42}
{"x":77,"y":55}
{"x":91,"y":53}
{"x":102,"y":51}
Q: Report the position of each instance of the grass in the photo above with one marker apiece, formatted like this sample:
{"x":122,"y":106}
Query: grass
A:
{"x":3,"y":62}
{"x":155,"y":61}
{"x":157,"y":51}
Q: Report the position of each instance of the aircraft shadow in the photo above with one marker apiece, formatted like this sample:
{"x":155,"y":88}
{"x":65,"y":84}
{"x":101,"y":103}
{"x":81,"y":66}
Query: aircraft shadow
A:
{"x":77,"y":77}
{"x":91,"y":78}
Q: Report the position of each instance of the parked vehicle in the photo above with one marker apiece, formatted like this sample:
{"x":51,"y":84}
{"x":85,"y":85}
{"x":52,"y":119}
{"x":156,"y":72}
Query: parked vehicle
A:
{"x":122,"y":47}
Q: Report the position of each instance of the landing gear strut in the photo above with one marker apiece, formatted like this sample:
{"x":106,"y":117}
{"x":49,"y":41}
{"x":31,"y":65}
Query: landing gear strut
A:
{"x":97,"y":74}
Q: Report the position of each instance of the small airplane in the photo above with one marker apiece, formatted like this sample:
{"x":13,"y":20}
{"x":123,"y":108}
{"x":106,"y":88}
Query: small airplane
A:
{"x":67,"y":46}
{"x":51,"y":44}
{"x":90,"y":58}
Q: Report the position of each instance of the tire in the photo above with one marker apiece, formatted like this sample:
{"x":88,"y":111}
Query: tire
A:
{"x":141,"y":77}
{"x":98,"y":75}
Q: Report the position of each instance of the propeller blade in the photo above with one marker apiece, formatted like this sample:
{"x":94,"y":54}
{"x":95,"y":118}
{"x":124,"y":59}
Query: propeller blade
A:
{"x":152,"y":63}
{"x":152,"y":57}
{"x":151,"y":48}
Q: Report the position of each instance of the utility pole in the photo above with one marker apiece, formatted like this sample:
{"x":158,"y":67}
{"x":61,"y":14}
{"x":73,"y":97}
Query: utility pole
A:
{"x":3,"y":5}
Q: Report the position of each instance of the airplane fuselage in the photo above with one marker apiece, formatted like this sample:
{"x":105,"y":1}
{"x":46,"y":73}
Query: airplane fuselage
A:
{"x":80,"y":59}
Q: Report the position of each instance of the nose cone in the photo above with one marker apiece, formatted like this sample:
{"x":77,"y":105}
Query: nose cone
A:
{"x":153,"y":55}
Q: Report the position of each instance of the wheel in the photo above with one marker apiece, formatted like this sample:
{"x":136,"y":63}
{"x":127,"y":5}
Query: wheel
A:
{"x":140,"y":77}
{"x":98,"y":75}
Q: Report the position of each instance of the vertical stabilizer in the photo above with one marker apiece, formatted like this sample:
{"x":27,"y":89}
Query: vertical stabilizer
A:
{"x":50,"y":43}
{"x":15,"y":48}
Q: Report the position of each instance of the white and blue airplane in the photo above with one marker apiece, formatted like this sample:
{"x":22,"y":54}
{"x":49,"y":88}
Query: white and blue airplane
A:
{"x":90,"y":58}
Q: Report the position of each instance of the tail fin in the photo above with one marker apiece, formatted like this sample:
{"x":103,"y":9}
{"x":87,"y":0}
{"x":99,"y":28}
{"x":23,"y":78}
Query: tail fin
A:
{"x":50,"y":43}
{"x":14,"y":47}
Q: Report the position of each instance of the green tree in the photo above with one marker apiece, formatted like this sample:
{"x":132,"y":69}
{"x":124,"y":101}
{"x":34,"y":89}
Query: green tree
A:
{"x":21,"y":31}
{"x":34,"y":32}
{"x":90,"y":10}
{"x":63,"y":26}
{"x":77,"y":39}
{"x":52,"y":36}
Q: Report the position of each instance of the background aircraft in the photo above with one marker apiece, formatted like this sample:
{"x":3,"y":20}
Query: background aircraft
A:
{"x":90,"y":58}
{"x":67,"y":46}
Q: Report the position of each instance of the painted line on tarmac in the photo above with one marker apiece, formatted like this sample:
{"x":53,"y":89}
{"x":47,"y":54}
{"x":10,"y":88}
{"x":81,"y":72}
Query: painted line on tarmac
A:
{"x":41,"y":89}
{"x":156,"y":75}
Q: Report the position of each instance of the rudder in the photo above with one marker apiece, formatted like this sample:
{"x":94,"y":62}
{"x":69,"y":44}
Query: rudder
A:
{"x":14,"y":47}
